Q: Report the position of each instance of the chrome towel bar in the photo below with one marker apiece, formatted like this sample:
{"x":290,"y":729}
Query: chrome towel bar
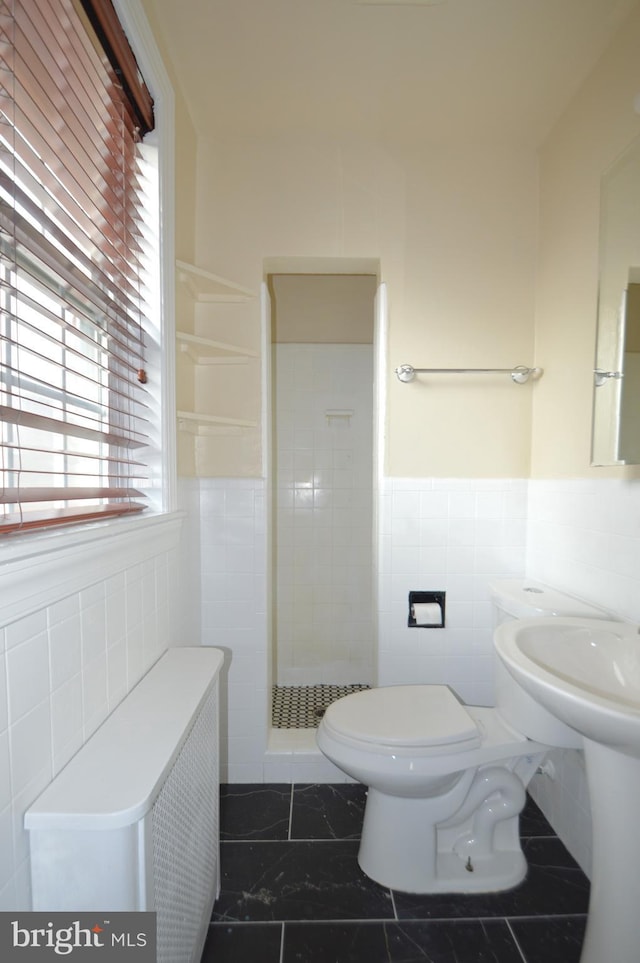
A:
{"x":519,"y":374}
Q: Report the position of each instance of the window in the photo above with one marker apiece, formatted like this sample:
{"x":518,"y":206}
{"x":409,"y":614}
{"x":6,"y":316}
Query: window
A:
{"x":76,"y":268}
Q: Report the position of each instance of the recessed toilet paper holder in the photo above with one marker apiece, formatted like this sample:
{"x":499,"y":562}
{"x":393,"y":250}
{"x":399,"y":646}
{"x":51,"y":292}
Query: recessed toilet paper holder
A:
{"x":426,"y":598}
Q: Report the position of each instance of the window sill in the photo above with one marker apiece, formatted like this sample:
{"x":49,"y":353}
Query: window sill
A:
{"x":37,"y":570}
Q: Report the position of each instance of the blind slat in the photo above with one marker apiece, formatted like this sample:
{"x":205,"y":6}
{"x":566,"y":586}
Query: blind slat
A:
{"x":42,"y":478}
{"x":18,"y":522}
{"x":13,"y":416}
{"x":69,"y":453}
{"x":43,"y":494}
{"x":9,"y":496}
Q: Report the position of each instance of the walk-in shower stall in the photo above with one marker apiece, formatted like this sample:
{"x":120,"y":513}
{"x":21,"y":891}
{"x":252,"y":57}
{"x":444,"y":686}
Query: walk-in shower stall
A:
{"x":322,"y":473}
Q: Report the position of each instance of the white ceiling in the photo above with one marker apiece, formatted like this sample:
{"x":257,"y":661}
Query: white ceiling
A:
{"x":430,"y":70}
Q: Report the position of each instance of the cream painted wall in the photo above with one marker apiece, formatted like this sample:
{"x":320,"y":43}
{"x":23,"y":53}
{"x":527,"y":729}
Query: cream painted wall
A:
{"x":454,"y":230}
{"x":596,"y":128}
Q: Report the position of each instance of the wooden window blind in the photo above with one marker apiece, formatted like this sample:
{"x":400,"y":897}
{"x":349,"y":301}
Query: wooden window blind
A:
{"x":74,"y":408}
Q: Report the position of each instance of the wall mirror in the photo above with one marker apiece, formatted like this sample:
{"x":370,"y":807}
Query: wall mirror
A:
{"x":616,"y":390}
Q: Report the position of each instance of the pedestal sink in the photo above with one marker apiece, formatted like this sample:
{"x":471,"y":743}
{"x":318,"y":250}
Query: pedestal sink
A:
{"x":585,"y":675}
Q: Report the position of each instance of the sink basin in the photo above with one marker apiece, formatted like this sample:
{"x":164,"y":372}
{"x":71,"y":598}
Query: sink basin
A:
{"x":584,"y":676}
{"x":585,"y":672}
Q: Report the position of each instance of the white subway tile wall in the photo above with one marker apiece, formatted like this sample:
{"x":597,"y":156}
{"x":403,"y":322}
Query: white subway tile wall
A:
{"x":584,"y":537}
{"x":323,"y":485}
{"x":451,"y":535}
{"x":233,"y":545}
{"x":62,"y":670}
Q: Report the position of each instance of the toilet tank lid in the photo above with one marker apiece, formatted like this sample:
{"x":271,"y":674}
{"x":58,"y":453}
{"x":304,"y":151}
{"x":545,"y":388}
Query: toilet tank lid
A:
{"x":527,"y":598}
{"x":404,"y":716}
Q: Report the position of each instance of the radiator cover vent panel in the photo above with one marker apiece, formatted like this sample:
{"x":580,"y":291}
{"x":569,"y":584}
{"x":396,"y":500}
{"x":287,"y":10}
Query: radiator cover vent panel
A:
{"x":185,"y":831}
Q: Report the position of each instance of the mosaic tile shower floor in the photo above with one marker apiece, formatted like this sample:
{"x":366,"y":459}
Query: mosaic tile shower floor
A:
{"x":302,"y":706}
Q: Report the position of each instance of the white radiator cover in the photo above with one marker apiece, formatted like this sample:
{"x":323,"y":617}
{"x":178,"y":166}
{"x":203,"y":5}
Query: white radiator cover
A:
{"x":132,"y":822}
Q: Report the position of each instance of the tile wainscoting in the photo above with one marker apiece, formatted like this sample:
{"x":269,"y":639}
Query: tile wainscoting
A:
{"x":66,"y":665}
{"x":582,"y":536}
{"x":454,"y":535}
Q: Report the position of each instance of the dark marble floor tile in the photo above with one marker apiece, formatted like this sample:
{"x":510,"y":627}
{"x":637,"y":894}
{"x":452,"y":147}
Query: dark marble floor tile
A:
{"x":328,"y":811}
{"x":555,"y":885}
{"x":545,"y":940}
{"x":297,"y":881}
{"x":533,"y":822}
{"x":255,"y":811}
{"x":243,"y":943}
{"x":436,"y":942}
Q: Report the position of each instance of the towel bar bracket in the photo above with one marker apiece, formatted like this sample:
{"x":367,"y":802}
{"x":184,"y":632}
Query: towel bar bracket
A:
{"x":601,"y":377}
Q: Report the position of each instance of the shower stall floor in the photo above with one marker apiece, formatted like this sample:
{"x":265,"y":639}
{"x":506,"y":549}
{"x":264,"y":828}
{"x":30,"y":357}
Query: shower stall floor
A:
{"x":302,"y":706}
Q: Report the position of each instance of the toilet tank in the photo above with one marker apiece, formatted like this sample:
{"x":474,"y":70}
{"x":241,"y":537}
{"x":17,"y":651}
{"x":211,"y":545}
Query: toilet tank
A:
{"x":518,"y":598}
{"x":525,"y":599}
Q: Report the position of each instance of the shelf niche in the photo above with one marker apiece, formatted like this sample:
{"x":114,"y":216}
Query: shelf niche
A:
{"x":204,"y":431}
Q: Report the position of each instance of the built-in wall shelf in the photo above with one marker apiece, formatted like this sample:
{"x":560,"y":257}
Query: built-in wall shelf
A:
{"x":192,"y":420}
{"x":204,"y":286}
{"x":207,"y":351}
{"x":215,"y":374}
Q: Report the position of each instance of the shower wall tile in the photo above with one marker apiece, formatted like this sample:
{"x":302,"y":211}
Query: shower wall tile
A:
{"x":323,"y":513}
{"x":453,"y":535}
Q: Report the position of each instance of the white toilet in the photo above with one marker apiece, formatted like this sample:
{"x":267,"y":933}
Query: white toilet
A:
{"x":446,"y":782}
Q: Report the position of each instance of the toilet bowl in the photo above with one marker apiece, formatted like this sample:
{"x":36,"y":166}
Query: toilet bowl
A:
{"x":446,"y":782}
{"x":446,"y":785}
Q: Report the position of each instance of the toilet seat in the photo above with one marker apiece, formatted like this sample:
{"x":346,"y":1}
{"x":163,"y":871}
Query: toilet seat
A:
{"x":426,"y":719}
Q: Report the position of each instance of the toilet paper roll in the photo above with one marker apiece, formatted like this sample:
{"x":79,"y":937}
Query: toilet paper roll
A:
{"x":427,"y":613}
